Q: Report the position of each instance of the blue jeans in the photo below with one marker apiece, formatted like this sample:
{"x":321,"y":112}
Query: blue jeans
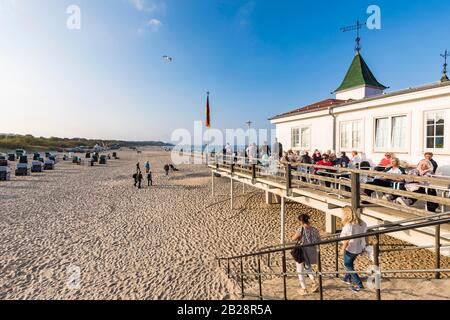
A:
{"x":349,"y":260}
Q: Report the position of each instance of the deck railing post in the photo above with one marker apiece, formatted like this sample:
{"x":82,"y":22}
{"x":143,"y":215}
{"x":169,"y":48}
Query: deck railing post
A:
{"x":319,"y":269}
{"x":212,"y":183}
{"x":356,"y":193}
{"x":288,"y":179}
{"x":284,"y":275}
{"x":437,"y":238}
{"x":268,"y":259}
{"x":377,"y":264}
{"x":337,"y":258}
{"x":260,"y":278}
{"x":242,"y":279}
{"x":254,"y":173}
{"x":232,"y":193}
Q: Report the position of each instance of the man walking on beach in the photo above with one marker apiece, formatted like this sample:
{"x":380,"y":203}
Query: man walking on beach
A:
{"x":140,"y":178}
{"x":148,"y":167}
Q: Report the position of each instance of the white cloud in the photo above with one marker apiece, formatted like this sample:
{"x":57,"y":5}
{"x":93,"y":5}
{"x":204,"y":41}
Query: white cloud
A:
{"x":154,"y":24}
{"x":143,"y":5}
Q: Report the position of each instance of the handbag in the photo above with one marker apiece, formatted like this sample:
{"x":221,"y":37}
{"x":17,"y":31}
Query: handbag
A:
{"x":297,"y":252}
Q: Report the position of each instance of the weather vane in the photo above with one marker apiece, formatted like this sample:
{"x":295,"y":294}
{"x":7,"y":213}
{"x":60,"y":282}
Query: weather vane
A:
{"x":356,"y":28}
{"x":444,"y":71}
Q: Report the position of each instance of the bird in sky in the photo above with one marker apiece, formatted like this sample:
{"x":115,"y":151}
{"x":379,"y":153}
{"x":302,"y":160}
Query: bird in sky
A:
{"x":167,"y":58}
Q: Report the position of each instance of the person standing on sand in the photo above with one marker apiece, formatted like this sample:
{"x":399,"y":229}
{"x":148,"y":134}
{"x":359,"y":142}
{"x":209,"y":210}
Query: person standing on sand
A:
{"x":351,"y":249}
{"x":167,"y":169}
{"x":140,"y":178}
{"x":135,"y":178}
{"x":306,"y":235}
{"x":148,"y":168}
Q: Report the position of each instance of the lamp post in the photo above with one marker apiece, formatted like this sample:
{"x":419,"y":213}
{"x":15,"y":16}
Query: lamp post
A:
{"x":249,"y":125}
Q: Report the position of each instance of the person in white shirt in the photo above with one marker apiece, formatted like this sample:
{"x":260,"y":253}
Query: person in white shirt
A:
{"x":355,"y":161}
{"x":252,"y":153}
{"x":351,"y":249}
{"x":228,"y":149}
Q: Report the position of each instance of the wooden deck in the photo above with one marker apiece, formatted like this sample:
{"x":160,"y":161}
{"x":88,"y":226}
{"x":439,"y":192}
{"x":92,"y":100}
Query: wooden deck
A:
{"x":331,"y":202}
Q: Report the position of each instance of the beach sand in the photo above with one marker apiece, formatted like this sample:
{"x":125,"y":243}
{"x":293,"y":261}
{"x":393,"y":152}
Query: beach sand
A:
{"x":155,"y":243}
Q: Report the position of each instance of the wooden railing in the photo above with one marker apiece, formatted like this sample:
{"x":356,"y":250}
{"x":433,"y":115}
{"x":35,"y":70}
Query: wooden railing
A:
{"x":343,"y":183}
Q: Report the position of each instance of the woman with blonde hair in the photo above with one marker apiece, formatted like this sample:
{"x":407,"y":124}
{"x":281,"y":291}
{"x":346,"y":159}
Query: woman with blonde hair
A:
{"x":351,"y":249}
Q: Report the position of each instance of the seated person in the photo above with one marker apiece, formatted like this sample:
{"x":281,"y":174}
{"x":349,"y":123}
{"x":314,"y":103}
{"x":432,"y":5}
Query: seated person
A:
{"x":429,"y":157}
{"x":384,"y":163}
{"x":317,"y":156}
{"x":292,"y":157}
{"x":355,"y":160}
{"x":343,"y":161}
{"x":305,"y":158}
{"x":333,"y":158}
{"x":389,"y":183}
{"x":325,"y":162}
{"x":265,"y":160}
{"x":424,"y":169}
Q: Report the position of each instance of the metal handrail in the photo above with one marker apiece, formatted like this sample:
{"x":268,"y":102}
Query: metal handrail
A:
{"x":358,"y":236}
{"x":430,"y":221}
{"x":384,"y":225}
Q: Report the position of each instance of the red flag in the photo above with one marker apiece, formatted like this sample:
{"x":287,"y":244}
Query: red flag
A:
{"x":208,"y":113}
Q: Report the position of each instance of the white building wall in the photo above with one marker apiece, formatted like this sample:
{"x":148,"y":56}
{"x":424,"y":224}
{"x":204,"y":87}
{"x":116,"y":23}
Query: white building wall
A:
{"x":414,"y":107}
{"x":416,"y":122}
{"x":358,"y":93}
{"x":321,"y":136}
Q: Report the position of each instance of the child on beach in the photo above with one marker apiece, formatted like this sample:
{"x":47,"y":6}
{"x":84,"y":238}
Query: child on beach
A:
{"x":167,"y":169}
{"x":306,"y":235}
{"x":351,"y":249}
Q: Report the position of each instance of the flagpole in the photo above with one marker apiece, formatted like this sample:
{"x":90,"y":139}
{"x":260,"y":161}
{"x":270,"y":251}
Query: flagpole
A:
{"x":207,"y":123}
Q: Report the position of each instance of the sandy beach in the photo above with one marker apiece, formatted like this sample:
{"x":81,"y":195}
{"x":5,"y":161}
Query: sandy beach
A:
{"x":155,"y":243}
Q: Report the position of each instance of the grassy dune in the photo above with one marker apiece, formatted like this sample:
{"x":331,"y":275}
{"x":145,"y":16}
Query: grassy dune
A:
{"x":31,"y":143}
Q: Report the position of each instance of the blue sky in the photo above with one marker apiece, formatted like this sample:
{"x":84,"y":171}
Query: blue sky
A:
{"x":258,"y":58}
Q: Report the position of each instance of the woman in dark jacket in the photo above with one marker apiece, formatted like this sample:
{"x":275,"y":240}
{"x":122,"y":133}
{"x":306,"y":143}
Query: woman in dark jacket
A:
{"x":306,"y":235}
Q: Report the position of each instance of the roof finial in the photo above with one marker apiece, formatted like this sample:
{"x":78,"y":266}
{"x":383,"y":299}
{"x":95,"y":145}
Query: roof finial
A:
{"x":444,"y":71}
{"x":356,"y":27}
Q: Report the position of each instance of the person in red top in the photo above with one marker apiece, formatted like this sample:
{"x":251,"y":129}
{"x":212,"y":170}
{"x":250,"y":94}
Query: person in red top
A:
{"x":385,"y":163}
{"x":325,"y":162}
